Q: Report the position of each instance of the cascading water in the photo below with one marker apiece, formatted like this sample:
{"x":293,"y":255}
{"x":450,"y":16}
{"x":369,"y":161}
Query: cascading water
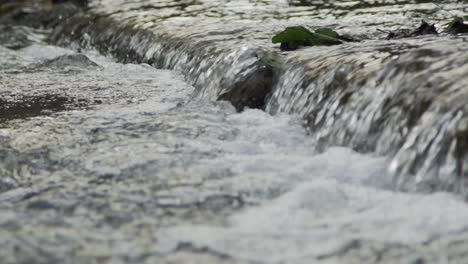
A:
{"x":367,"y":95}
{"x":115,"y":162}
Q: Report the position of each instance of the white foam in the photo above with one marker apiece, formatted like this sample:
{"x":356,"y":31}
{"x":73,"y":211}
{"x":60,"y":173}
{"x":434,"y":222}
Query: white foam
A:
{"x":328,"y":208}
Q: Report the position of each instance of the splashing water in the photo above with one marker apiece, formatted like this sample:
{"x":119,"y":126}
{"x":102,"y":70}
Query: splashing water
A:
{"x":123,"y":163}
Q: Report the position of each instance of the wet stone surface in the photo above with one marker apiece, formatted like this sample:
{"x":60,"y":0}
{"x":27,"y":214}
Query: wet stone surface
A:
{"x":17,"y":37}
{"x":38,"y":13}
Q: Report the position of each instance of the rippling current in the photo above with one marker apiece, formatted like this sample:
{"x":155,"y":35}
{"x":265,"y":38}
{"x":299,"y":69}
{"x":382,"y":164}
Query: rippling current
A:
{"x":122,"y":139}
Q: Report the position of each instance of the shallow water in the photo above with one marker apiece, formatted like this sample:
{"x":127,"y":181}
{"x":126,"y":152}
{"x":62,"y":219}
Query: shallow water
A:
{"x":359,"y":95}
{"x":115,"y":162}
{"x":151,"y":174}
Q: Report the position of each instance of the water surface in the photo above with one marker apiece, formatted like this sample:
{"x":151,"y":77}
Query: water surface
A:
{"x":115,"y":149}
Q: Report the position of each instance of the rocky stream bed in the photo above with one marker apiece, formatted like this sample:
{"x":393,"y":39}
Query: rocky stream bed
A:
{"x":175,"y":131}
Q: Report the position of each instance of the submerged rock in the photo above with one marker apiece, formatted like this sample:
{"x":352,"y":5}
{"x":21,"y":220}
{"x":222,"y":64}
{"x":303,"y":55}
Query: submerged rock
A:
{"x":24,"y":107}
{"x":40,"y":16}
{"x":14,"y":37}
{"x":424,"y":29}
{"x":75,"y":60}
{"x":252,"y":91}
{"x":82,"y":3}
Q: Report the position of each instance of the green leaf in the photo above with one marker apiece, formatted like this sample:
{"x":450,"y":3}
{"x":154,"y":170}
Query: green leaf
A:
{"x":456,"y":26}
{"x":324,"y":40}
{"x":294,"y":37}
{"x":451,"y":25}
{"x":327,"y":32}
{"x":293,"y":34}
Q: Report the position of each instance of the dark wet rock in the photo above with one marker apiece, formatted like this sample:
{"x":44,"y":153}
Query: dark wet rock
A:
{"x":189,"y":247}
{"x":32,"y":106}
{"x":220,"y":203}
{"x":41,"y":205}
{"x":8,"y":6}
{"x":457,"y":26}
{"x":6,"y":183}
{"x":38,"y":16}
{"x":252,"y":91}
{"x":27,"y":101}
{"x":14,"y":37}
{"x":424,"y":29}
{"x":74,"y":60}
{"x":82,"y":3}
{"x":194,"y":60}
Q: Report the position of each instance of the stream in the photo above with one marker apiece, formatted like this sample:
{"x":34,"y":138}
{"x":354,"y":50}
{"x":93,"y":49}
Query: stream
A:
{"x":152,"y":131}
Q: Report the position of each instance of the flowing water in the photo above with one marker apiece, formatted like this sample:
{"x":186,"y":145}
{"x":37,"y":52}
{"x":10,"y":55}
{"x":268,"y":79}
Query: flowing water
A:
{"x":122,"y":140}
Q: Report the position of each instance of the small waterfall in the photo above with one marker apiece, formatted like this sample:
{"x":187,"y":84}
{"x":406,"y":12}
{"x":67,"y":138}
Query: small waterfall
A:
{"x":210,"y":69}
{"x":403,"y":98}
{"x":354,"y":153}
